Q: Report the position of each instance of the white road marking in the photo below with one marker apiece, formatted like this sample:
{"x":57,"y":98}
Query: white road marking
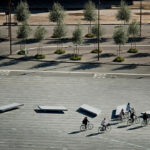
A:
{"x":66,"y":46}
{"x":95,"y":74}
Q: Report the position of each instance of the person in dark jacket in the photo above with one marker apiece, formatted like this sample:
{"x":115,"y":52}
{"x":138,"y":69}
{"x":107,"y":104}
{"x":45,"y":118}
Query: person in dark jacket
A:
{"x":145,"y":117}
{"x":85,"y":121}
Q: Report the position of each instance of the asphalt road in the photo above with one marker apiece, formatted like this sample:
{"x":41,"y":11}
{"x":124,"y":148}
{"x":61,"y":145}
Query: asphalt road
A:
{"x":26,"y":129}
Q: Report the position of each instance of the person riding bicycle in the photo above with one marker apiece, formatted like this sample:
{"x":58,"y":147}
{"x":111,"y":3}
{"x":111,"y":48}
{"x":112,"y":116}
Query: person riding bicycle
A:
{"x":128,"y":108}
{"x":145,"y":117}
{"x":85,"y":121}
{"x":103,"y":123}
{"x":122,"y":114}
{"x":132,"y":116}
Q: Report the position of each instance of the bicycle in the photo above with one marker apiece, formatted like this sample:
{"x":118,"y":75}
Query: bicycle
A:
{"x":144,"y":123}
{"x":89,"y":126}
{"x":136,"y":121}
{"x":104,"y":129}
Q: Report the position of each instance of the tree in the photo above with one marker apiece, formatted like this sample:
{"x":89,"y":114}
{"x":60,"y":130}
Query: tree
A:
{"x":39,"y":35}
{"x":124,"y":13}
{"x":95,"y":30}
{"x":90,"y":12}
{"x":23,"y":32}
{"x":77,"y":38}
{"x":133,"y":30}
{"x":57,"y":13}
{"x":59,"y":31}
{"x":22,"y":12}
{"x":120,"y":37}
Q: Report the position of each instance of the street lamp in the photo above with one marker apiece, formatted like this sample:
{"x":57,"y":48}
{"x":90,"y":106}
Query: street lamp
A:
{"x":140,"y":18}
{"x":9,"y":24}
{"x":98,"y":38}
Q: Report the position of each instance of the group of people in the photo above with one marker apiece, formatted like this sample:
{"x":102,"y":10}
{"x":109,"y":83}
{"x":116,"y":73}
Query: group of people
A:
{"x":131,"y":114}
{"x":130,"y":111}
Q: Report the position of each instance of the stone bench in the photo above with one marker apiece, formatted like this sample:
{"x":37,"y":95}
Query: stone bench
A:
{"x":52,"y":108}
{"x":10,"y":107}
{"x":90,"y":109}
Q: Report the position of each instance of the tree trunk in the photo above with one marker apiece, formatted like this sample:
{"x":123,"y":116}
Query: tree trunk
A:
{"x":119,"y":50}
{"x":90,"y":26}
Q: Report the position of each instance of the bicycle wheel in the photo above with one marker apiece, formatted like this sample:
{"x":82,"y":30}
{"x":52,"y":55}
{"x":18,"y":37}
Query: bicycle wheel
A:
{"x":108,"y":128}
{"x":100,"y":129}
{"x":143,"y":123}
{"x":90,"y":126}
{"x":82,"y":128}
{"x":137,"y":120}
{"x":129,"y":122}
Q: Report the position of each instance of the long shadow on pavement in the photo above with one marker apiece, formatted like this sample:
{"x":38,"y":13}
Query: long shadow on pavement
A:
{"x":137,"y":127}
{"x":86,"y":66}
{"x":94,"y":134}
{"x":75,"y":132}
{"x":126,"y":67}
{"x":123,"y":126}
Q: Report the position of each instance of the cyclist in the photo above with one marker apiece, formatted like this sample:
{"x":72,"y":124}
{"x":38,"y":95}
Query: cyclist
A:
{"x":122,"y":114}
{"x":128,"y":109}
{"x":85,"y":121}
{"x":132,"y":116}
{"x":145,"y":117}
{"x":103,"y":123}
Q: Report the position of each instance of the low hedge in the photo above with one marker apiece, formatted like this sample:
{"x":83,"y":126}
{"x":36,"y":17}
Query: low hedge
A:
{"x":118,"y":59}
{"x":90,"y":35}
{"x":96,"y":51}
{"x":133,"y":50}
{"x":39,"y":56}
{"x":22,"y":52}
{"x":76,"y":57}
{"x":60,"y":51}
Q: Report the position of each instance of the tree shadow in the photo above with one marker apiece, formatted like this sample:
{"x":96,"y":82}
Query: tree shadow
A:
{"x":64,"y":56}
{"x":9,"y":63}
{"x":94,"y":40}
{"x":105,"y":55}
{"x":28,"y":41}
{"x":3,"y":40}
{"x":48,"y":111}
{"x":137,"y":39}
{"x":140,"y":55}
{"x":86,"y":66}
{"x":137,"y":127}
{"x":45,"y":64}
{"x":126,"y":67}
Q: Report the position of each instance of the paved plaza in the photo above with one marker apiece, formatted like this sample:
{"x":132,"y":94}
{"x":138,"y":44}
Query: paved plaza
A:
{"x":27,"y":129}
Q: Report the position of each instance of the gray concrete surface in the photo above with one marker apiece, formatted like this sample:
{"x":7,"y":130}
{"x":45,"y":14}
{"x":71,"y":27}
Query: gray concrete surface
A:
{"x":26,"y":129}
